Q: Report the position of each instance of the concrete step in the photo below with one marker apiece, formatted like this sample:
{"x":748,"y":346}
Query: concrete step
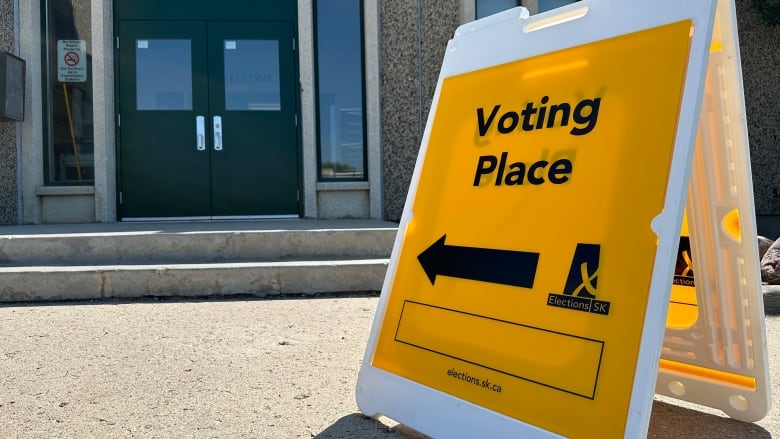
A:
{"x":195,"y":280}
{"x":198,"y":243}
{"x":192,"y":259}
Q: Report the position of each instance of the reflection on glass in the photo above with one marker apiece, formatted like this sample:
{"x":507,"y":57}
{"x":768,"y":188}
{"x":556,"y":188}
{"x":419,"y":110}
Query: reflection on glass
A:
{"x":252,"y":75}
{"x":68,"y":136}
{"x":546,"y":5}
{"x":163,"y":74}
{"x":490,"y":7}
{"x":340,"y":89}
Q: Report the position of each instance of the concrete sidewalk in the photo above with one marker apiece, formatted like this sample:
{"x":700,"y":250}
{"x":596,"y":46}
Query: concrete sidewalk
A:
{"x":283,"y":368}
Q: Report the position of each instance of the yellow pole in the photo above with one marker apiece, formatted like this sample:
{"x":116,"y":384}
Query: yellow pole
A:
{"x":72,"y":135}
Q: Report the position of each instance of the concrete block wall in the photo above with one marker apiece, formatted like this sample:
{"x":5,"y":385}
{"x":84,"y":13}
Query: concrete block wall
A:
{"x":8,"y":160}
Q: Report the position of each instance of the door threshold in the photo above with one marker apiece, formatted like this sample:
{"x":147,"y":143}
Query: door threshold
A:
{"x":253,"y":217}
{"x":209,"y":218}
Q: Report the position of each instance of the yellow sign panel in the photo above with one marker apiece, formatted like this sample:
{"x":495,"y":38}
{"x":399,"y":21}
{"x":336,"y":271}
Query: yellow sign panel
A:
{"x":524,"y":273}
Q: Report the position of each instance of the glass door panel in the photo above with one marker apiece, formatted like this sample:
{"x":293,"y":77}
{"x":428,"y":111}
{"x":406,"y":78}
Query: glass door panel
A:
{"x":252,"y":75}
{"x":163,"y":74}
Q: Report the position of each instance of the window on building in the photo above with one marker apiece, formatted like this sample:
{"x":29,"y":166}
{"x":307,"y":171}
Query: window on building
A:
{"x":546,"y":5}
{"x":67,"y":87}
{"x":340,"y":97}
{"x":490,"y":7}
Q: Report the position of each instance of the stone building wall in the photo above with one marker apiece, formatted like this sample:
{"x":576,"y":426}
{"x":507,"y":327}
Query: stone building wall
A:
{"x":759,"y":40}
{"x":414,"y":35}
{"x":8,"y":161}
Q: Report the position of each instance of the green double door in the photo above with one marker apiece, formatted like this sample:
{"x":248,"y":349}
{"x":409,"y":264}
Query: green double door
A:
{"x":207,"y":119}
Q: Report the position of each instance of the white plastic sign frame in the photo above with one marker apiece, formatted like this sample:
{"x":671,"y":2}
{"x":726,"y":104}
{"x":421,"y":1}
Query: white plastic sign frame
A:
{"x":484,"y":44}
{"x":720,"y":360}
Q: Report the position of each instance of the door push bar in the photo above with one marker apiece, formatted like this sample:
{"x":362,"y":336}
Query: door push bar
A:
{"x":217,"y":133}
{"x":200,"y":132}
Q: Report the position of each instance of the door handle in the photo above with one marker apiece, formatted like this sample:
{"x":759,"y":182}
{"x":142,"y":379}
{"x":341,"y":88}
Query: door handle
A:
{"x":217,"y":133}
{"x":200,"y":133}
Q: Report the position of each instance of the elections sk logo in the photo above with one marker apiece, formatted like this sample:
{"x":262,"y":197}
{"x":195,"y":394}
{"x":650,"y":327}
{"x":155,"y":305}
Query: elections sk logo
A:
{"x":683,"y":270}
{"x":579,"y":293}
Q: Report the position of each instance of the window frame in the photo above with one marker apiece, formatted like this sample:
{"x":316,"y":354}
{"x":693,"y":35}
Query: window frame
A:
{"x":47,"y":91}
{"x":364,"y":119}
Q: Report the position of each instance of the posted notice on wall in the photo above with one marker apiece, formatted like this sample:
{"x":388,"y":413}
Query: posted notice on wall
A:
{"x":71,"y":61}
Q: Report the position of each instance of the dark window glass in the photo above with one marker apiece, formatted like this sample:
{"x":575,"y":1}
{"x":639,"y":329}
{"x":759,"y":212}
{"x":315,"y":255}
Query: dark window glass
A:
{"x":340,"y":89}
{"x":163,"y":72}
{"x":546,"y":5}
{"x":490,"y":7}
{"x":252,"y":75}
{"x":67,"y":85}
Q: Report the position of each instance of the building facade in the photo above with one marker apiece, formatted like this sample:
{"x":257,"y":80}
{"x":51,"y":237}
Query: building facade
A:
{"x":144,"y":110}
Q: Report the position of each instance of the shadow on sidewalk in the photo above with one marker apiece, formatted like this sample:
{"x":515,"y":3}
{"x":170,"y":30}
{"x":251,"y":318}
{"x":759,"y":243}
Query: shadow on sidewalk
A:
{"x":667,"y":421}
{"x":358,"y":425}
{"x":671,"y":421}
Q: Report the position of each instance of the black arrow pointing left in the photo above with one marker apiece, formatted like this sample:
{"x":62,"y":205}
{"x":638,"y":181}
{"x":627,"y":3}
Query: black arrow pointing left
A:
{"x":507,"y":267}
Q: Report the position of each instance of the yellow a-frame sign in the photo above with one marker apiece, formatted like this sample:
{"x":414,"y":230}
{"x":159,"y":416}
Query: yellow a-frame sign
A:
{"x":531,"y":274}
{"x":714,"y":347}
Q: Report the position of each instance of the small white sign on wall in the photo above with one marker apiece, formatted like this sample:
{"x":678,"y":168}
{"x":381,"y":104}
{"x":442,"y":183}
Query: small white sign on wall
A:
{"x":71,"y":61}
